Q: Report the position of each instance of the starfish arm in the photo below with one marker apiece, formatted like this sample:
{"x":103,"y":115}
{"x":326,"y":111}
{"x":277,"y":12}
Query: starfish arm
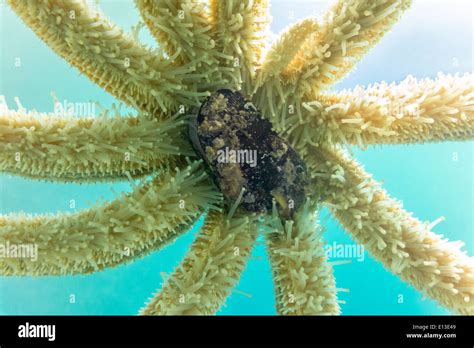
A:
{"x":348,"y":31}
{"x":210,"y":270}
{"x":182,"y":27}
{"x":404,"y":244}
{"x":241,"y":29}
{"x":65,"y":148}
{"x":413,"y":111}
{"x":99,"y":49}
{"x":284,"y":49}
{"x":107,"y":235}
{"x":304,"y":280}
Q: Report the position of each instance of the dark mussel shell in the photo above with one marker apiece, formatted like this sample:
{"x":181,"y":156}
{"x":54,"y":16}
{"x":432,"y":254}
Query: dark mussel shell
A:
{"x":243,"y":152}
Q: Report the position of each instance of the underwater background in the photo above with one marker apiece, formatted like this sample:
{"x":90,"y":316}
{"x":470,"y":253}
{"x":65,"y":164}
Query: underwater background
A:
{"x":432,"y":180}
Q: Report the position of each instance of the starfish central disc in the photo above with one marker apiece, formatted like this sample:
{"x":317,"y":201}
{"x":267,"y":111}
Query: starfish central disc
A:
{"x":249,"y":161}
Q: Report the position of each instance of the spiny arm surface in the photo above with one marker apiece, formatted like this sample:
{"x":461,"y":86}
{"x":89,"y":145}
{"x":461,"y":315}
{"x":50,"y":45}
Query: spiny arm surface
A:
{"x":349,"y":29}
{"x":284,"y":49}
{"x":182,"y":28}
{"x":86,"y":39}
{"x":413,"y":111}
{"x":210,"y":270}
{"x":404,"y":244}
{"x":64,"y":148}
{"x":304,"y":281}
{"x":110,"y":234}
{"x":241,"y":29}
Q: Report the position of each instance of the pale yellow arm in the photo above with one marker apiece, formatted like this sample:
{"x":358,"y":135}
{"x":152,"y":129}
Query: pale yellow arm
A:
{"x":110,"y":234}
{"x":179,"y":26}
{"x":413,"y":111}
{"x":304,"y":281}
{"x":241,"y":30}
{"x":284,"y":49}
{"x":211,"y":269}
{"x":114,"y":60}
{"x":404,"y":244}
{"x":183,"y":29}
{"x":108,"y":147}
{"x":348,"y":31}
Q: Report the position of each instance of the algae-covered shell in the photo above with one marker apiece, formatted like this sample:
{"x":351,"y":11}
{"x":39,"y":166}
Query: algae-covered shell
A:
{"x":244,"y":153}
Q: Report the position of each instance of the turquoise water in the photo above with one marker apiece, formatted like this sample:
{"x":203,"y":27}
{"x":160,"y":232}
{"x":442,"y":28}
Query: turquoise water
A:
{"x":433,"y":36}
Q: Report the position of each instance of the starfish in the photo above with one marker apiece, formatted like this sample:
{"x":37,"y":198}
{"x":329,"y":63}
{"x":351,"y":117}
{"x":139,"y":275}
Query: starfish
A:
{"x":202,"y":49}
